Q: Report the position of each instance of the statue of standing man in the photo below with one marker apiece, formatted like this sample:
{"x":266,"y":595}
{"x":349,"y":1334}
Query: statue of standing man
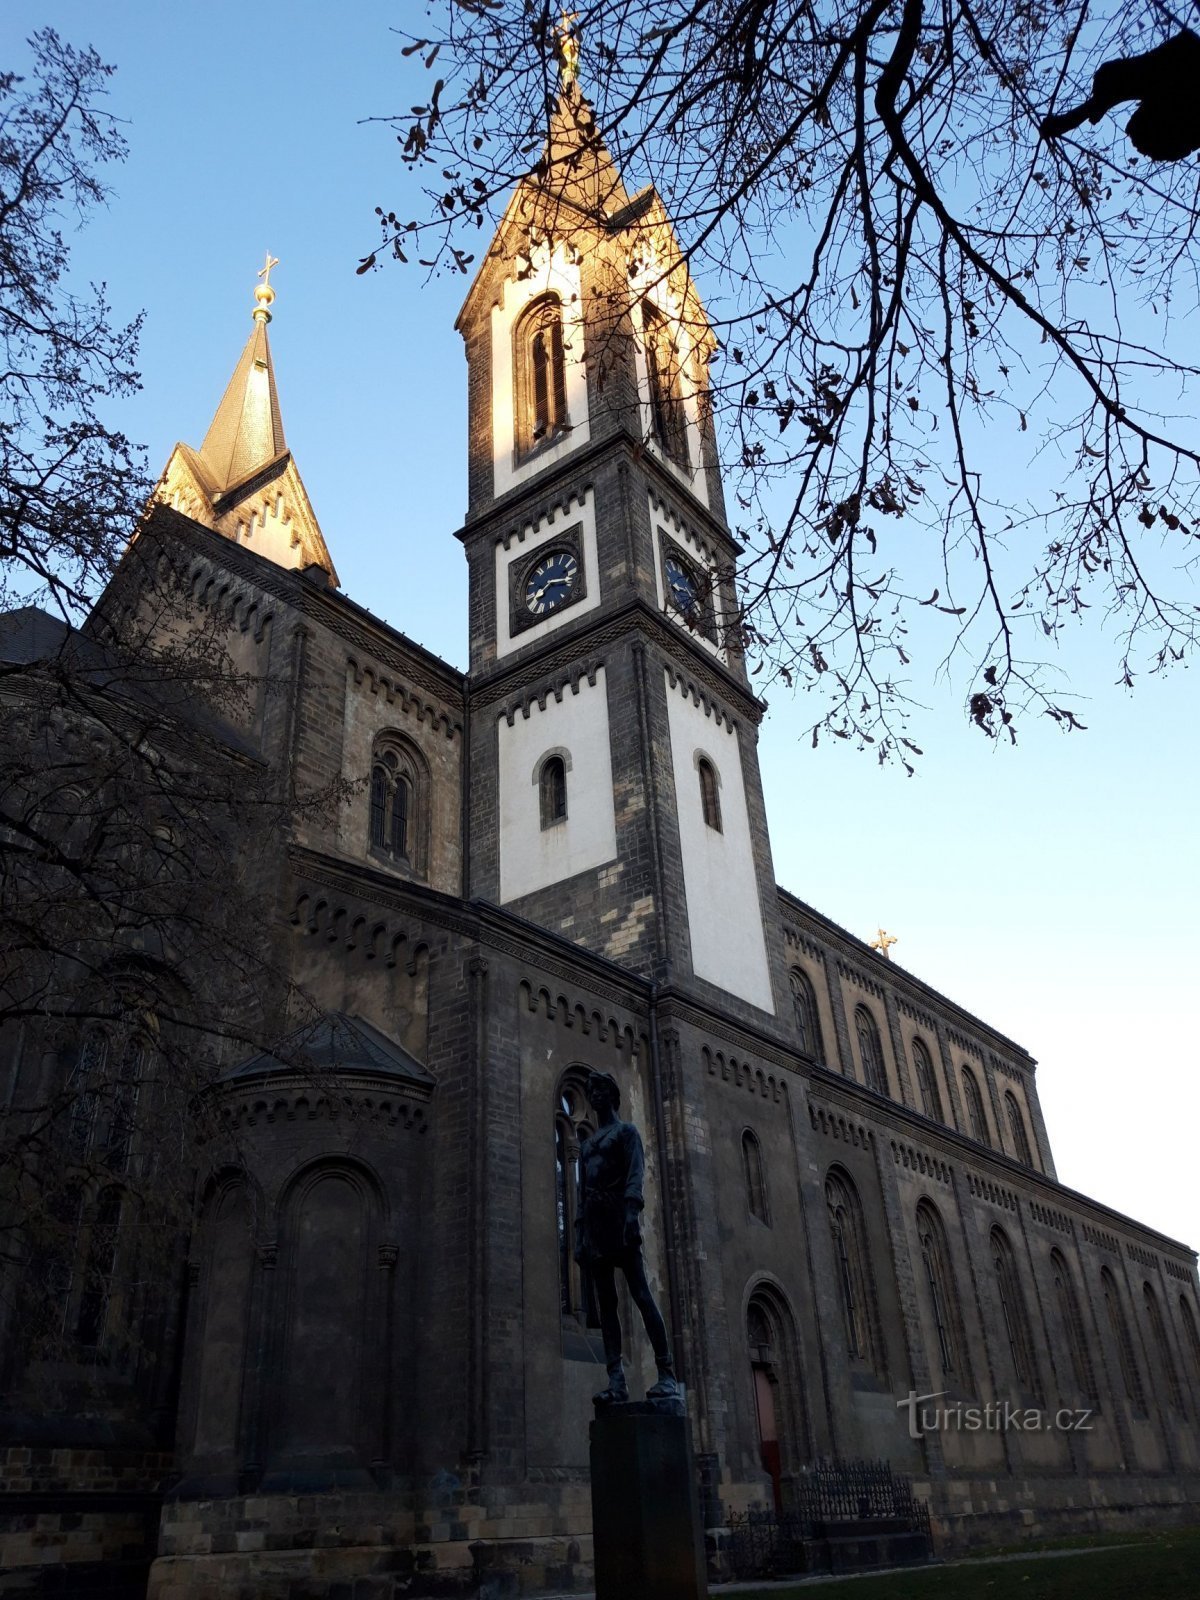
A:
{"x":608,"y":1235}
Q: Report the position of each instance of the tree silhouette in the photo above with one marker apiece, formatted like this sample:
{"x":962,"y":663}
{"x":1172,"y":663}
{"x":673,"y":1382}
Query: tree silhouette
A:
{"x":953,"y":386}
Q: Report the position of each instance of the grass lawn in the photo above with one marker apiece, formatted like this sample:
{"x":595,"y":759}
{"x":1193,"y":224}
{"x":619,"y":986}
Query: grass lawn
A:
{"x":1164,"y":1566}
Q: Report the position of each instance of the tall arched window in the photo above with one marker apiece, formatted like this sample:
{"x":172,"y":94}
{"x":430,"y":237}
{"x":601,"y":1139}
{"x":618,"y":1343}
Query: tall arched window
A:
{"x":100,"y":1269}
{"x":664,"y":372}
{"x":1119,"y":1328}
{"x":399,"y":803}
{"x":756,"y":1177}
{"x":1162,"y":1347}
{"x":1016,"y":1124}
{"x":870,"y":1050}
{"x":945,"y":1314}
{"x":539,"y":372}
{"x":852,"y":1264}
{"x":1191,"y":1335}
{"x":552,"y":791}
{"x":83,"y":1087}
{"x":710,"y":797}
{"x":804,"y":1009}
{"x":927,"y":1089}
{"x":774,"y":1371}
{"x":572,"y":1125}
{"x":1012,"y":1308}
{"x":976,"y":1121}
{"x":1072,"y":1322}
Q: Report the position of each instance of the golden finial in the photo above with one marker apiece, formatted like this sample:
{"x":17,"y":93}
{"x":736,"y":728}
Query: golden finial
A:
{"x":264,"y":295}
{"x":568,"y":50}
{"x":884,"y":943}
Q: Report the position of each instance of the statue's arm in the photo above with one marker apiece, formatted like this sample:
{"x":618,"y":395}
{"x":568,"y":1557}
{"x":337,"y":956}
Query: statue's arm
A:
{"x":635,"y":1168}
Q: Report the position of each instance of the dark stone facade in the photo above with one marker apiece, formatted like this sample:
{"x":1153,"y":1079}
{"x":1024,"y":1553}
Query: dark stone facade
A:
{"x":375,"y":1380}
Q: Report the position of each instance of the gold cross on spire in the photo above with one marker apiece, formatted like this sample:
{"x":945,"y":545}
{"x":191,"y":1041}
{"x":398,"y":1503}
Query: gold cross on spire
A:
{"x":568,"y":50}
{"x":884,"y":943}
{"x":264,"y":295}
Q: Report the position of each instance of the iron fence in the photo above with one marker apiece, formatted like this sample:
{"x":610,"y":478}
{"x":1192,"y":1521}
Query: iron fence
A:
{"x":826,"y":1500}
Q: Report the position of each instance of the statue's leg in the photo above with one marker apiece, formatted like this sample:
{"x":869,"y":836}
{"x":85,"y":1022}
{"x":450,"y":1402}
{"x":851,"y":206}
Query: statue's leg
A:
{"x":604,"y":1280}
{"x":643,"y":1299}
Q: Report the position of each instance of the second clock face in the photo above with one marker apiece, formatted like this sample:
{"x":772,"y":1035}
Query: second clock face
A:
{"x":552,"y":582}
{"x":682,"y":585}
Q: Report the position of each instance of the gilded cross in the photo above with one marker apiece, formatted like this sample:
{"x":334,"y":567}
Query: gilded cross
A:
{"x":265,"y":272}
{"x":884,"y":943}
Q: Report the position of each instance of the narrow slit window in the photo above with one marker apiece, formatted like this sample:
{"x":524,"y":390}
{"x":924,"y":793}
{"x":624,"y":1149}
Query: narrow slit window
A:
{"x":552,"y":789}
{"x":710,"y":798}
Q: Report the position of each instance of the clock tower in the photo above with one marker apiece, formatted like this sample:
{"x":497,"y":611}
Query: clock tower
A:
{"x":615,"y":792}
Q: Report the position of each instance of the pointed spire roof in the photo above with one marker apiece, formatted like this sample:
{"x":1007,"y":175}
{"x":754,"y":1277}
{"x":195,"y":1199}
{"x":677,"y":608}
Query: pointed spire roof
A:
{"x":246,"y":434}
{"x":243,"y":481}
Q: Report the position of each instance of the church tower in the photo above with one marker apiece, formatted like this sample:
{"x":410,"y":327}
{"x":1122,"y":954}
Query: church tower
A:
{"x":615,"y":790}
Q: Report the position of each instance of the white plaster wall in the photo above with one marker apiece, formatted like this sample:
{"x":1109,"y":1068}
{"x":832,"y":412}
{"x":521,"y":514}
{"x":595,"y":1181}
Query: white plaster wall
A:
{"x":724,"y":916}
{"x":650,"y":283}
{"x":559,"y":275}
{"x":517,"y":546}
{"x":663,"y":520}
{"x":576,"y":726}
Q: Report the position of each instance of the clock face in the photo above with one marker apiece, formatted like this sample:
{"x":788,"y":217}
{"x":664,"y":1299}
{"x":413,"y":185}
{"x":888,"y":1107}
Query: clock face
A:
{"x":552,"y":582}
{"x":681,"y":584}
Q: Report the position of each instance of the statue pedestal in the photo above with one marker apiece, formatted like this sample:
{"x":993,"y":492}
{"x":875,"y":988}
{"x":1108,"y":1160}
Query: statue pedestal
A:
{"x":647,"y":1538}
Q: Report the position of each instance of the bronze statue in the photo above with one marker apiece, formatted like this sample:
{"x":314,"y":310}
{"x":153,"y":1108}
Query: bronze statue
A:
{"x":608,"y":1235}
{"x":1166,"y":124}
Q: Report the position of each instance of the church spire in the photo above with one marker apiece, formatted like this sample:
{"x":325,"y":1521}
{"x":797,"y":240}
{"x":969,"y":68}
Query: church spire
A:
{"x":243,"y":482}
{"x":246,"y":434}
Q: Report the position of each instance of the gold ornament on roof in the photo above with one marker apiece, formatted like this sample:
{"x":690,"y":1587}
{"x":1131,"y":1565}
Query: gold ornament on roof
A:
{"x":568,"y":49}
{"x":264,"y":295}
{"x":884,"y":943}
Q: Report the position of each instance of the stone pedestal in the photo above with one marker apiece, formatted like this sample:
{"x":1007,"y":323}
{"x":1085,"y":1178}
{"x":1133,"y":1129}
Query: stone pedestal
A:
{"x":647,"y":1539}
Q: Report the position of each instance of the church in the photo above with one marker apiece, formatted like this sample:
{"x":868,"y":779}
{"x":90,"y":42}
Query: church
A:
{"x":378,"y":1375}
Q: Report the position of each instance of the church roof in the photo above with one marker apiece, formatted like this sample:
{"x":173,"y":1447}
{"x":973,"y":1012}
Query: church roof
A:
{"x":246,"y":434}
{"x":243,"y":481}
{"x":337,"y":1043}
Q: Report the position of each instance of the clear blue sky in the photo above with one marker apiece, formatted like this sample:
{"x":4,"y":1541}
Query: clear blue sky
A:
{"x":1050,"y":888}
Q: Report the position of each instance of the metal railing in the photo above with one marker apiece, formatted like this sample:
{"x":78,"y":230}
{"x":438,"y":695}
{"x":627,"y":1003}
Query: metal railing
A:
{"x":826,"y":1499}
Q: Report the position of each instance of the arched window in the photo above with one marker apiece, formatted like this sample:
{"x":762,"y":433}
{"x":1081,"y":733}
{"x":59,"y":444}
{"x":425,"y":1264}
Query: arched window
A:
{"x":927,"y":1089}
{"x":1012,"y":1308}
{"x":770,"y":1336}
{"x":1016,"y":1124}
{"x":83,"y":1088}
{"x":552,"y":791}
{"x":1072,"y":1322}
{"x":870,"y":1050}
{"x":1119,"y":1328}
{"x":572,"y":1125}
{"x":804,"y":1009}
{"x":100,"y":1270}
{"x":945,"y":1315}
{"x":976,"y":1121}
{"x":756,"y":1177}
{"x":399,"y":803}
{"x":853,"y":1267}
{"x":710,"y":798}
{"x":122,"y":1121}
{"x":540,"y":377}
{"x":1190,"y":1334}
{"x":1162,"y":1347}
{"x":664,"y":372}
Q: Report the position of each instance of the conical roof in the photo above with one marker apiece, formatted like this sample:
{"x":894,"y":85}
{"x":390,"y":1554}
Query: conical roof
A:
{"x":243,"y":482}
{"x":246,"y":434}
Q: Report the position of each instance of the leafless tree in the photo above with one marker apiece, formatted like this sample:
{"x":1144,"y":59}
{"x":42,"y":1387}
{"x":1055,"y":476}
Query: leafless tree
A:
{"x":139,"y":822}
{"x":956,"y":381}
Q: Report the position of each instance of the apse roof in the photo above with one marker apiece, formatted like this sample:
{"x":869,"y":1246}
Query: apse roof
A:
{"x":337,"y":1043}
